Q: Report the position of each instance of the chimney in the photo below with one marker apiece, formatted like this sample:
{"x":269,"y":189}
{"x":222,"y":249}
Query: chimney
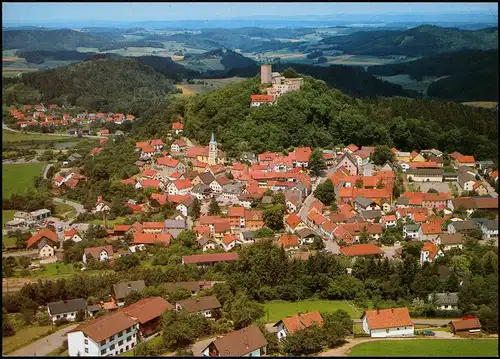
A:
{"x":392,"y":310}
{"x":378,"y":311}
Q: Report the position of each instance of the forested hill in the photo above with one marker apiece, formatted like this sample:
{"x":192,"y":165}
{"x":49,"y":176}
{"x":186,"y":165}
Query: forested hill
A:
{"x":65,"y":39}
{"x":424,"y":40}
{"x":100,"y":84}
{"x":352,"y":80}
{"x":319,"y":116}
{"x":228,"y":58}
{"x":470,"y":75}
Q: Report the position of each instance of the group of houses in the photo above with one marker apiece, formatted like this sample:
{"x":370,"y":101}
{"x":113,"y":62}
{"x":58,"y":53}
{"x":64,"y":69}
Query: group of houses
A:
{"x":53,"y":115}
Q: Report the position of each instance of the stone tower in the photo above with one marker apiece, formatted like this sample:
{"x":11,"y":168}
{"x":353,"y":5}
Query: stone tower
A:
{"x":265,"y":74}
{"x":212,"y":151}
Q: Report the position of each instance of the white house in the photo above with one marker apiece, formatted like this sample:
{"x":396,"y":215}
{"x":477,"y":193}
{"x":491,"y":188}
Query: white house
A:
{"x":246,"y":342}
{"x":290,"y":325}
{"x":182,"y":186}
{"x":204,"y":306}
{"x":215,"y":187}
{"x":449,"y":241}
{"x":385,"y":323}
{"x":108,"y":335}
{"x":389,"y":221}
{"x":101,"y":206}
{"x":429,"y":253}
{"x":411,"y":231}
{"x":66,"y":309}
{"x":490,"y":229}
{"x":444,"y":301}
{"x":72,"y":234}
{"x":229,"y":241}
{"x":98,"y":253}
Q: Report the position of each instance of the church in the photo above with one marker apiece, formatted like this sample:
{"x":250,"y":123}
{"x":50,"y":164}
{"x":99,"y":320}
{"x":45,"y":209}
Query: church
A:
{"x":210,"y":154}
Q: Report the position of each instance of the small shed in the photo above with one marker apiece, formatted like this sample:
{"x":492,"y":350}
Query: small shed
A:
{"x":467,"y":324}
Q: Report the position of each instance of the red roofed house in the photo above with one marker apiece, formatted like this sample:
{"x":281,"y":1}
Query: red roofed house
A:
{"x":45,"y":241}
{"x":153,"y":227}
{"x":208,"y":259}
{"x":95,"y":150}
{"x":253,"y":219}
{"x":361,"y":250}
{"x":384,"y":323}
{"x":289,"y":241}
{"x":430,"y":252}
{"x":177,"y":127}
{"x":104,"y":132}
{"x":351,"y":148}
{"x":258,"y":100}
{"x":429,"y":231}
{"x":148,"y":313}
{"x":389,"y":221}
{"x":236,"y":216}
{"x":166,"y":166}
{"x":178,"y":146}
{"x":182,"y":186}
{"x":229,"y":241}
{"x":152,"y":238}
{"x":72,"y":234}
{"x":290,"y":325}
{"x":150,"y":183}
{"x":99,"y":253}
{"x":464,"y":161}
{"x":293,"y":223}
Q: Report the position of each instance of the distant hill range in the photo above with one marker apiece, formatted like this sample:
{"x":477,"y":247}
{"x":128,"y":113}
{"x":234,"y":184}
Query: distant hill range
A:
{"x":228,"y":58}
{"x":469,"y":75}
{"x":423,"y":40}
{"x":57,"y":40}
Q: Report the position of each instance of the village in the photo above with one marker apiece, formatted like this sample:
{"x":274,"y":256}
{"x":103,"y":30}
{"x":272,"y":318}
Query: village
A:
{"x":357,"y":203}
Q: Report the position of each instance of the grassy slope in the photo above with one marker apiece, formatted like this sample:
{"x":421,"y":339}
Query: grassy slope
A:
{"x":22,"y":337}
{"x":279,"y":309}
{"x":427,"y":348}
{"x":19,"y":178}
{"x":7,"y":215}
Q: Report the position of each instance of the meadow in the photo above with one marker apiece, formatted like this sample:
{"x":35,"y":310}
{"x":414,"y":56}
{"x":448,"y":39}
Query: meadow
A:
{"x":9,"y":136}
{"x":428,"y":348}
{"x":19,"y":178}
{"x":277,"y":310}
{"x":410,"y":84}
{"x":23,"y":337}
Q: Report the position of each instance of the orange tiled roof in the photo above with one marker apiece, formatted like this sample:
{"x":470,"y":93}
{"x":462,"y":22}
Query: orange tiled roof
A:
{"x":388,"y":318}
{"x":356,"y":250}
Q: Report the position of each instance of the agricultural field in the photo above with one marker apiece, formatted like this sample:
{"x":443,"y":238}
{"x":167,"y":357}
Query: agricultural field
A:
{"x":8,"y":136}
{"x":18,"y":179}
{"x":428,"y":348}
{"x":410,"y":84}
{"x":211,"y":84}
{"x":52,"y":270}
{"x":277,"y":310}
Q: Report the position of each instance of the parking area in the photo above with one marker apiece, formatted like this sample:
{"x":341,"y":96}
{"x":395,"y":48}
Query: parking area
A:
{"x":438,"y":186}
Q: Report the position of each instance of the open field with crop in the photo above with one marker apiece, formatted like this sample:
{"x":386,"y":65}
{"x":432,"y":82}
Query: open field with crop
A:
{"x":277,"y":310}
{"x":23,"y":337}
{"x":18,"y":179}
{"x":428,"y":348}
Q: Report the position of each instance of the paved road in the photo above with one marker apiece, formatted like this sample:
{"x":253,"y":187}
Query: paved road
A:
{"x":45,"y":345}
{"x":491,"y":190}
{"x":4,"y":126}
{"x":47,"y":170}
{"x":79,"y":208}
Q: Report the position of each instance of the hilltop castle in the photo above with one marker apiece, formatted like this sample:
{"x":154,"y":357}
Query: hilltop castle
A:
{"x":279,"y":86}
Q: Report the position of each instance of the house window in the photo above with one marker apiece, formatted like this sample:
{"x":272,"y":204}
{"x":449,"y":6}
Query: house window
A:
{"x":58,"y":316}
{"x":103,"y":351}
{"x":121,"y":350}
{"x":103,"y":342}
{"x":126,"y":348}
{"x":86,"y":341}
{"x":129,"y":339}
{"x":113,"y":346}
{"x":398,"y":328}
{"x":387,"y":330}
{"x":129,"y":330}
{"x":86,"y":350}
{"x":120,"y":342}
{"x":65,"y":315}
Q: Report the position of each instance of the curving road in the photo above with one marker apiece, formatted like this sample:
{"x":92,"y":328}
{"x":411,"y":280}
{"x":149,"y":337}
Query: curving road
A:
{"x":79,"y":208}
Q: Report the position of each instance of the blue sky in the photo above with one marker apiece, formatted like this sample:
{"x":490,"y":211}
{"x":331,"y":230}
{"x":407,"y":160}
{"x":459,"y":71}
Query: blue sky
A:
{"x":142,"y":11}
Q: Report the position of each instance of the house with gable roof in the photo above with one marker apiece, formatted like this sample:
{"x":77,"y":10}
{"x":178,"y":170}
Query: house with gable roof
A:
{"x":430,"y":252}
{"x":349,"y":163}
{"x":291,"y":324}
{"x":45,"y":241}
{"x":102,"y":253}
{"x":385,"y":323}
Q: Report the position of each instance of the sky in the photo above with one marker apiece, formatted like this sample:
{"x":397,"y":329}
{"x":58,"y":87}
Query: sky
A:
{"x":143,"y":11}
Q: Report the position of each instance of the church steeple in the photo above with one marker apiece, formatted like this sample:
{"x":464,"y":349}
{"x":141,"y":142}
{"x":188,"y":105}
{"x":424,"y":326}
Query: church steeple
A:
{"x":212,"y":151}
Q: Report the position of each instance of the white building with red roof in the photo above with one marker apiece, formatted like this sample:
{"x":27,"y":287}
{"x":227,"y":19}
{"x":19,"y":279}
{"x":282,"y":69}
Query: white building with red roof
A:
{"x":385,"y":323}
{"x":259,"y":100}
{"x":182,"y":186}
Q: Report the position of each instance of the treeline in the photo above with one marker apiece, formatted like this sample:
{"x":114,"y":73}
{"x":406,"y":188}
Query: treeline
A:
{"x":40,"y":56}
{"x":265,"y":273}
{"x":65,"y":39}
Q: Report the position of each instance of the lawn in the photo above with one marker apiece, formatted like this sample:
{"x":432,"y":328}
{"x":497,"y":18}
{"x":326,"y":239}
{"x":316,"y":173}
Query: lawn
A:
{"x":428,"y":348}
{"x":7,"y":215}
{"x":23,"y":337}
{"x":17,"y":179}
{"x":110,"y":222}
{"x":58,"y":270}
{"x":9,"y":241}
{"x":64,"y":209}
{"x":277,"y":310}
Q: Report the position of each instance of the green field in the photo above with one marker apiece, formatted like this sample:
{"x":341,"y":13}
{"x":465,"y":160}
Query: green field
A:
{"x":64,"y":209}
{"x":7,"y":215}
{"x":18,"y":179}
{"x":212,"y":84}
{"x":428,"y":348}
{"x":8,"y":136}
{"x":59,"y":270}
{"x":23,"y":337}
{"x":277,"y":310}
{"x":410,"y":84}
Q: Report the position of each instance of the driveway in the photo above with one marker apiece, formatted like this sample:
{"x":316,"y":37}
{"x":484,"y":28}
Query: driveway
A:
{"x":45,"y":345}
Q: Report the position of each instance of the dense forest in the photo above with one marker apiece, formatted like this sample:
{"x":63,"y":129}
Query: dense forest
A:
{"x":40,"y":56}
{"x":423,"y":40}
{"x":100,"y":84}
{"x":57,"y":40}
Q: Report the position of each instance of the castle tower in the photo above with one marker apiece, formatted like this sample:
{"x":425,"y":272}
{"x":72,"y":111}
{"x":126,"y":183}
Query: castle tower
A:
{"x":265,"y":74}
{"x":212,"y":151}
